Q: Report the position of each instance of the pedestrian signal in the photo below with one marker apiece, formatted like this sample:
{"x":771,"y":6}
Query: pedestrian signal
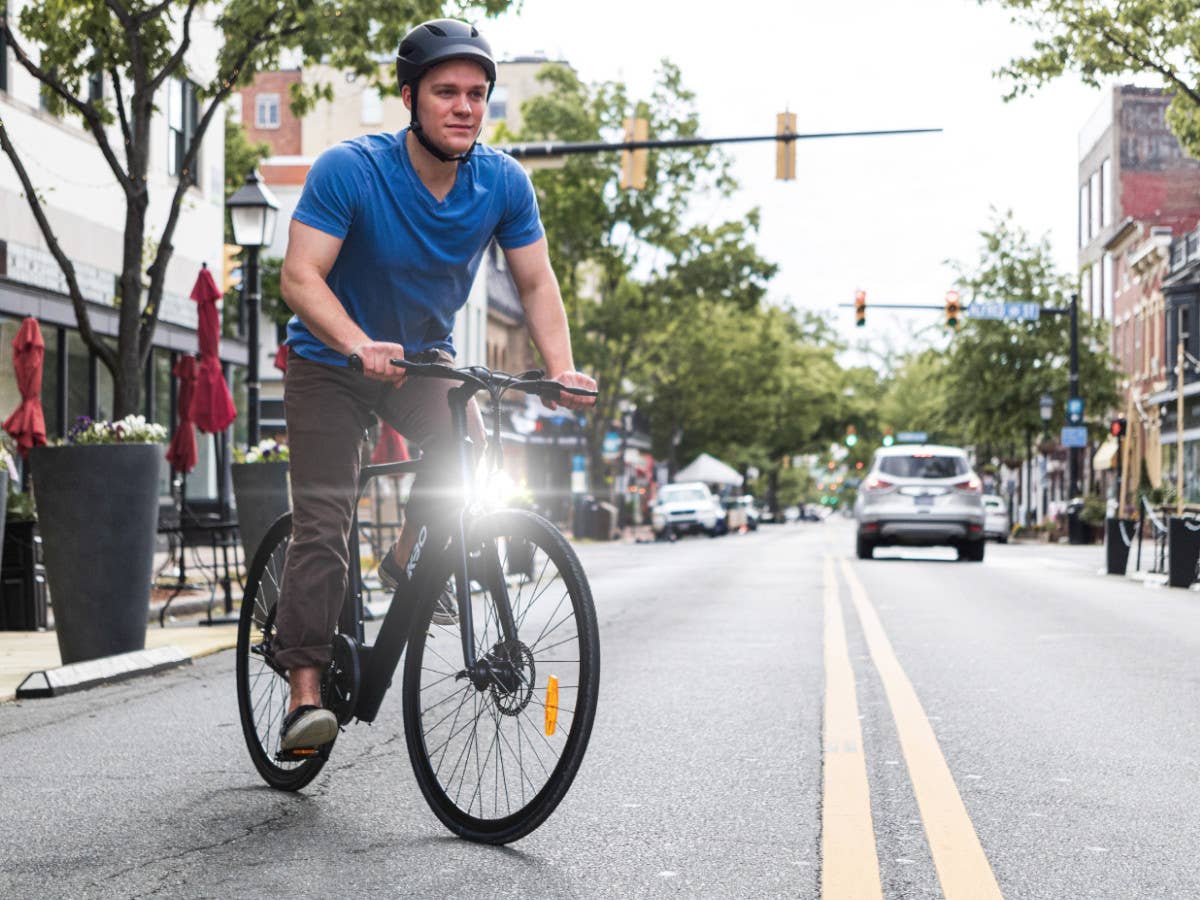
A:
{"x":860,"y":308}
{"x":1118,"y":428}
{"x":231,"y":269}
{"x":953,"y":309}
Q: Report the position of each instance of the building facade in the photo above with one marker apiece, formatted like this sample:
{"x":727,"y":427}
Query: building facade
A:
{"x":85,"y":207}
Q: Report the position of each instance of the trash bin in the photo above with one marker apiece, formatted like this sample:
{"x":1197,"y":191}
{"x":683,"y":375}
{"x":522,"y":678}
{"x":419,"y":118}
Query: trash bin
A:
{"x":579,"y":516}
{"x":23,"y":605}
{"x":1118,"y":536}
{"x":603,"y":521}
{"x":1077,"y":529}
{"x":1183,"y":550}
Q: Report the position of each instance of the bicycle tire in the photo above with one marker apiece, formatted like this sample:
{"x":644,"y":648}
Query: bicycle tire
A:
{"x":262,"y":690}
{"x":528,"y":543}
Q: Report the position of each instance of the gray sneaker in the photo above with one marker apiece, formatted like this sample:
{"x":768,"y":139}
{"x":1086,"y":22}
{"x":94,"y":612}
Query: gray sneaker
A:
{"x":307,"y":728}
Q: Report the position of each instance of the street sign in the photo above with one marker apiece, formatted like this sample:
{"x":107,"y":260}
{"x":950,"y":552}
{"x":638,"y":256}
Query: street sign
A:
{"x":912,"y":437}
{"x":611,"y":448}
{"x":1074,"y":436}
{"x":998,"y":309}
{"x":1075,"y":410}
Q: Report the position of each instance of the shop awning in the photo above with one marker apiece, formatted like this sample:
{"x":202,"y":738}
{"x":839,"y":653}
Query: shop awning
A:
{"x":1106,"y":456}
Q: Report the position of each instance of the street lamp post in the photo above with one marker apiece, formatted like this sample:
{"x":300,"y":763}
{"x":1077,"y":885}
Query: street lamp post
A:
{"x":1046,"y":411}
{"x":252,"y":211}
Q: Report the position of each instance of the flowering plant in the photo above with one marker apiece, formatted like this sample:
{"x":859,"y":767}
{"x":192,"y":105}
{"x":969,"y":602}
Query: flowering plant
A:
{"x":129,"y":430}
{"x":266,"y":450}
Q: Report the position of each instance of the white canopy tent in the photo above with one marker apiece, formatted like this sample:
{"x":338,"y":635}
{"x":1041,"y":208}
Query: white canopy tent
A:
{"x":710,"y":470}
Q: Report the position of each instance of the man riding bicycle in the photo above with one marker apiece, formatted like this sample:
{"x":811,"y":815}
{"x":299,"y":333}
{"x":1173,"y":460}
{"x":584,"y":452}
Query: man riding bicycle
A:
{"x":382,"y":250}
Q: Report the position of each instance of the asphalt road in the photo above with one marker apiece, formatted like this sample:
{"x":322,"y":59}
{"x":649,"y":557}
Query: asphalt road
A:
{"x":1024,"y":720}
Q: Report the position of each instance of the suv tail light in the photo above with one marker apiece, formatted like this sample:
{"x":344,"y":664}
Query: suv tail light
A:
{"x":875,"y":483}
{"x":971,"y":486}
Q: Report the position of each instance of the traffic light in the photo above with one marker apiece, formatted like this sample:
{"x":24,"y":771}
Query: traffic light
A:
{"x":1118,"y":428}
{"x":633,"y":162}
{"x":851,"y":436}
{"x":952,"y":309}
{"x":231,"y":268}
{"x":860,"y":308}
{"x":785,"y":151}
{"x":888,"y":437}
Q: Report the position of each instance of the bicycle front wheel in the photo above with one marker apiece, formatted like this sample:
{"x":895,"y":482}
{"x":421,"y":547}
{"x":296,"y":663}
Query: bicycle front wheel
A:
{"x":262,"y":687}
{"x":494,"y":751}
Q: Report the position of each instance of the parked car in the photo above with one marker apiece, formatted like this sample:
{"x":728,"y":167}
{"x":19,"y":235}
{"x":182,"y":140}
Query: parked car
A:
{"x":741,"y":511}
{"x":684,"y":508}
{"x":920,"y":495}
{"x":995,"y":518}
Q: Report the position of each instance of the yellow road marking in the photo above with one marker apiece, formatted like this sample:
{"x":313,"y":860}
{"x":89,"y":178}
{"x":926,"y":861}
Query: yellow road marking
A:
{"x":962,"y":867}
{"x":849,"y":865}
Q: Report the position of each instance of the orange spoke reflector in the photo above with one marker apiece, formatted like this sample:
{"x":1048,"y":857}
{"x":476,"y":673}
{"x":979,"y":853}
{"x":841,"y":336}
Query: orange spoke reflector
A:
{"x":551,"y":705}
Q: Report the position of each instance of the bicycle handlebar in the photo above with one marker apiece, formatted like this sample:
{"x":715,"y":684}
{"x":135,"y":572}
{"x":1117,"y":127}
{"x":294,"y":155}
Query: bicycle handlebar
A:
{"x":531,"y":382}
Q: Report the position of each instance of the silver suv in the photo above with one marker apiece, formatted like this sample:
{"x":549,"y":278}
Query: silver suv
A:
{"x":920,"y":496}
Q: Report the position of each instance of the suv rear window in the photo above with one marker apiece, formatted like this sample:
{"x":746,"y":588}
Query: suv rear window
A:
{"x":923,"y":466}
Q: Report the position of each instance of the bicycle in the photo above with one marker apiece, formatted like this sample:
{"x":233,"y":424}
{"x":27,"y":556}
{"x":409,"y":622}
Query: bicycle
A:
{"x":498,"y":708}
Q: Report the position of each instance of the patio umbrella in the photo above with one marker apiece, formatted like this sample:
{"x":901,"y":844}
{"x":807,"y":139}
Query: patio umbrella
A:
{"x":181,"y":453}
{"x":281,"y":358}
{"x":212,"y":404}
{"x":390,"y":447}
{"x":27,"y":424}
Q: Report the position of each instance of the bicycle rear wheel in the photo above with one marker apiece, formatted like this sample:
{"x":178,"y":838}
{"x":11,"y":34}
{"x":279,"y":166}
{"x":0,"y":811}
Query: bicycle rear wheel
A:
{"x":495,"y":753}
{"x":262,"y":687}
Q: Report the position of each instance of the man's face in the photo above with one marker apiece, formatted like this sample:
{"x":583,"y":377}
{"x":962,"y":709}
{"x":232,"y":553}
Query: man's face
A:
{"x":452,"y":98}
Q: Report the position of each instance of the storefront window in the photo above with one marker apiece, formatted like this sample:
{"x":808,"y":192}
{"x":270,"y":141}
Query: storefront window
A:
{"x":10,"y":395}
{"x":50,"y":383}
{"x":105,"y":393}
{"x":237,"y":386}
{"x":160,"y":362}
{"x":77,"y":378}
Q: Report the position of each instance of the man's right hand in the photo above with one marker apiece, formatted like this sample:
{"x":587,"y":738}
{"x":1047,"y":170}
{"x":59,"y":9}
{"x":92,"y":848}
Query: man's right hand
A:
{"x":376,"y":359}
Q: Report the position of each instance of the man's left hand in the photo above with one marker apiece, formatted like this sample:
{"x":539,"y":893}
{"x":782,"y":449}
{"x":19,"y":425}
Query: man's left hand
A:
{"x":574,"y":379}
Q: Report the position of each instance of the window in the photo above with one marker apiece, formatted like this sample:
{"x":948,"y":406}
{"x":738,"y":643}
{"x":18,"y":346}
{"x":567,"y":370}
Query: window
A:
{"x":923,"y":466}
{"x":1097,"y":290}
{"x":1084,"y":206}
{"x":498,"y":104}
{"x":181,"y":127}
{"x":1106,"y":197}
{"x":1094,"y":216}
{"x":1085,"y":289}
{"x":266,"y":111}
{"x":1108,"y":277}
{"x":372,"y":106}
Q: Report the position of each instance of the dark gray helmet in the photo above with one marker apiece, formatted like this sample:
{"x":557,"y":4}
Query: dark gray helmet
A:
{"x":436,"y":42}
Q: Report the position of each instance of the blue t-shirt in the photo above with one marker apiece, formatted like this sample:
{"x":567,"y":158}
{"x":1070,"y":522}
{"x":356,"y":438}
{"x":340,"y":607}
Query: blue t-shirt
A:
{"x":407,"y":260}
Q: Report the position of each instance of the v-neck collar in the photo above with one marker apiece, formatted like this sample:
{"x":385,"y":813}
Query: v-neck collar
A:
{"x":419,"y":185}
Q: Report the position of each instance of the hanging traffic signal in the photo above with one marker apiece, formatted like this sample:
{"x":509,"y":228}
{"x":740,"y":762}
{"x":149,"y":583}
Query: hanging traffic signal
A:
{"x":851,"y":436}
{"x":633,"y":162}
{"x":231,"y":268}
{"x":888,"y":437}
{"x":860,"y":308}
{"x":785,"y":151}
{"x":952,"y":309}
{"x":1118,"y":428}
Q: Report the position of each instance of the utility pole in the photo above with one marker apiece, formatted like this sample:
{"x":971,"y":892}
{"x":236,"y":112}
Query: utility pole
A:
{"x":1179,"y":353}
{"x":1075,"y":489}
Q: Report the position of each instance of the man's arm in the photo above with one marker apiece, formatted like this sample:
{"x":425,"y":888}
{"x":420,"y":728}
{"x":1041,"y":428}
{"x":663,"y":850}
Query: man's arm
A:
{"x":546,"y":317}
{"x":310,"y":255}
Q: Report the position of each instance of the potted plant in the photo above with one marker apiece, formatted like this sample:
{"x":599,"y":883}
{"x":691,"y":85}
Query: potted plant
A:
{"x":260,"y":490}
{"x":97,"y":500}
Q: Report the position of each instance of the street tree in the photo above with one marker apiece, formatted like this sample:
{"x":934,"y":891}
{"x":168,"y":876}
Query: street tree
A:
{"x":1100,"y":39}
{"x":996,"y":371}
{"x":631,"y":265}
{"x":915,"y":397}
{"x":135,"y":47}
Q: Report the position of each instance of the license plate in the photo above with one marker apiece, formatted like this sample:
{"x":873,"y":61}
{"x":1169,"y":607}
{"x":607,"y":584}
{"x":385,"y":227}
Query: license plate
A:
{"x":924,"y":500}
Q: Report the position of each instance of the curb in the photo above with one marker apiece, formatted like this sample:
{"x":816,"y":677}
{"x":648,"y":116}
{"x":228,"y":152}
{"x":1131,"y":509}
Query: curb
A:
{"x":109,"y":669}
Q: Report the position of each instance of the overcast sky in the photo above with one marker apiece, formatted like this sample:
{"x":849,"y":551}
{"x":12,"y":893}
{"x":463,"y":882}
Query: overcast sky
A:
{"x":879,"y":213}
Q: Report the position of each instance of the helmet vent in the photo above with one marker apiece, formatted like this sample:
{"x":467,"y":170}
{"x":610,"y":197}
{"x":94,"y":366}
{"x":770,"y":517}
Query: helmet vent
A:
{"x":436,"y":30}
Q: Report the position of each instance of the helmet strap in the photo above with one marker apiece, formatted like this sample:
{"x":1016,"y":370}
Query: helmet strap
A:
{"x":429,"y":145}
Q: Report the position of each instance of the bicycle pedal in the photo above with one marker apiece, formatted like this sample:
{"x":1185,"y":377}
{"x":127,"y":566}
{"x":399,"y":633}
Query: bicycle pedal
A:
{"x":299,"y":755}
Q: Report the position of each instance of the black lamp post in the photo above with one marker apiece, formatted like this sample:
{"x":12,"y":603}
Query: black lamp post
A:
{"x":252,"y":211}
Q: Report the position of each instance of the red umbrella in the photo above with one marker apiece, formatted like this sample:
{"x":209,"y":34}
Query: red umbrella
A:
{"x":27,"y":424}
{"x":390,"y":447}
{"x":181,"y":453}
{"x":212,"y":405}
{"x":281,"y":358}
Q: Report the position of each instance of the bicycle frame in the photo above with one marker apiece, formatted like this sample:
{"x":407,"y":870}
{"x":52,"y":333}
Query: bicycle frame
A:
{"x":382,"y":658}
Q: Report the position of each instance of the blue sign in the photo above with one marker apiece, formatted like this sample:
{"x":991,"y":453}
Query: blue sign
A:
{"x":612,"y":443}
{"x":1075,"y":410}
{"x":998,"y":309}
{"x":578,"y":463}
{"x":912,"y":437}
{"x":1074,"y":436}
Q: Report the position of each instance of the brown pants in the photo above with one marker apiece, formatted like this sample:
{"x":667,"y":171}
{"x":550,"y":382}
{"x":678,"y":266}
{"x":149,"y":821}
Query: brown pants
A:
{"x":328,"y":410}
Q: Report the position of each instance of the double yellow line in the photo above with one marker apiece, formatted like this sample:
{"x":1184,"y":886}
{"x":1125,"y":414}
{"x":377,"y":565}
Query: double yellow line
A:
{"x":850,"y":864}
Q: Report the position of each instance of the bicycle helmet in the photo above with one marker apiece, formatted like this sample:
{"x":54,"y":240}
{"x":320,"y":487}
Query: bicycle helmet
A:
{"x":434,"y":42}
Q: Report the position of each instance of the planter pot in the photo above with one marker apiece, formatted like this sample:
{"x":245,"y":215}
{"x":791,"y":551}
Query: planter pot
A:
{"x":261,"y":493}
{"x":98,"y":515}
